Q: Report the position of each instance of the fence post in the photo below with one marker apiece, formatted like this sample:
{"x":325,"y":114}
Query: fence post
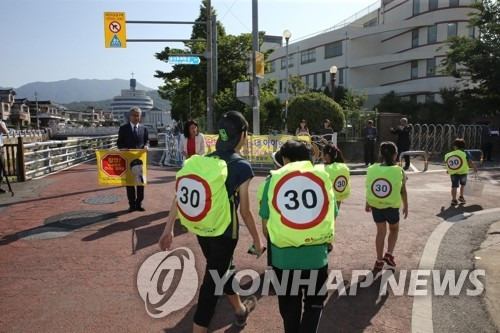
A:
{"x":21,"y":167}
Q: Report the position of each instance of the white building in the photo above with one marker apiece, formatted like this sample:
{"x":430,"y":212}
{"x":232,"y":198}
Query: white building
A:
{"x":131,"y":98}
{"x":391,"y":45}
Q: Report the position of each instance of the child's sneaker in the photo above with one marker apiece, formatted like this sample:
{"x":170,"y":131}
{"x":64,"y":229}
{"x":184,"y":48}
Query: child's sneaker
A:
{"x":379,"y":265}
{"x":249,"y":303}
{"x":454,"y":202}
{"x":461,"y":199}
{"x":389,"y":260}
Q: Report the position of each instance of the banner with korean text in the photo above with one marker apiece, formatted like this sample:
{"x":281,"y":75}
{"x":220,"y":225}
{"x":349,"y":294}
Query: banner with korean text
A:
{"x":259,"y":147}
{"x":122,"y":167}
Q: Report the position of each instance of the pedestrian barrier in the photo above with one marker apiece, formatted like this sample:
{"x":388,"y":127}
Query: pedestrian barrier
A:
{"x":476,"y":152}
{"x":415,"y":153}
{"x":29,"y":160}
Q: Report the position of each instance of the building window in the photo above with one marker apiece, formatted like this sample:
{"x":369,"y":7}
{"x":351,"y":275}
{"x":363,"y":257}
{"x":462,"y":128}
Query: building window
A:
{"x":323,"y":79}
{"x":472,"y":31}
{"x":452,"y":29}
{"x":333,"y":49}
{"x":340,"y":75}
{"x":454,"y":3}
{"x":371,"y":23}
{"x":413,"y":98}
{"x":315,"y":81}
{"x":272,"y":66}
{"x":281,"y":86}
{"x":414,"y":69}
{"x":414,"y":38}
{"x":431,"y":67}
{"x":432,"y":34}
{"x":416,"y":7}
{"x":429,"y":98}
{"x":308,"y":56}
{"x":433,"y":4}
{"x":290,"y":62}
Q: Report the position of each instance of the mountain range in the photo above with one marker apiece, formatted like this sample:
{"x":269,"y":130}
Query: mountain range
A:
{"x":75,"y":90}
{"x":78,"y":94}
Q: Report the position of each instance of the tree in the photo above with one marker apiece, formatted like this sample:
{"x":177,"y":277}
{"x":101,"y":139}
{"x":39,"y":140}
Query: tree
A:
{"x":296,"y":86}
{"x":188,"y":83}
{"x":477,"y":60}
{"x":314,"y":108}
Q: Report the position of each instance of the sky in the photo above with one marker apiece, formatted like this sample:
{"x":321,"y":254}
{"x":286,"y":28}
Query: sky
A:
{"x":52,"y":40}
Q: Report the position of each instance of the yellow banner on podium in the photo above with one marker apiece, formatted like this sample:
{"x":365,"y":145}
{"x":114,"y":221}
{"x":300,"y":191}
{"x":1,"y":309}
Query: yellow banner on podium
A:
{"x":122,"y":167}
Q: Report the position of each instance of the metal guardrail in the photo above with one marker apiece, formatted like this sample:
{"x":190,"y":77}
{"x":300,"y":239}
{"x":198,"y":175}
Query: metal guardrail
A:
{"x":42,"y":158}
{"x":23,"y":133}
{"x":415,"y":153}
{"x":438,"y":139}
{"x":476,"y":152}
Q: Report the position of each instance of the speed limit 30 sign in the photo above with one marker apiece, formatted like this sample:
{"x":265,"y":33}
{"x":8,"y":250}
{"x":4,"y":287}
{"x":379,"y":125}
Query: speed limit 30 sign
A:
{"x":381,"y":188}
{"x":301,"y":200}
{"x":454,"y":162}
{"x":194,"y":197}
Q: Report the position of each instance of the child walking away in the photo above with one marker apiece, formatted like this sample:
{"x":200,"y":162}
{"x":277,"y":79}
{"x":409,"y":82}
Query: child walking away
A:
{"x":385,"y":191}
{"x":338,"y":172}
{"x":209,"y":190}
{"x":457,"y":163}
{"x":298,"y":213}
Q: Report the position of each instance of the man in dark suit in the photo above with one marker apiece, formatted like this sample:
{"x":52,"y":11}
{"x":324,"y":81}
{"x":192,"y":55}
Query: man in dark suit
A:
{"x":403,"y":142}
{"x":134,"y":136}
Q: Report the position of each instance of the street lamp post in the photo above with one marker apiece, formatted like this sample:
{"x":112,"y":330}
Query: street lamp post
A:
{"x":286,"y":34}
{"x":333,"y":77}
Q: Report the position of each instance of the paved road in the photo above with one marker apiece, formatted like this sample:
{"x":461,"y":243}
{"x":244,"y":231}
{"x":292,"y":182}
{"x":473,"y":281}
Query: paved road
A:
{"x":70,"y":265}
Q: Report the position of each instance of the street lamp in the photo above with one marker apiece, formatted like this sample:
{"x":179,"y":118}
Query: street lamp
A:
{"x":333,"y":77}
{"x":286,"y":34}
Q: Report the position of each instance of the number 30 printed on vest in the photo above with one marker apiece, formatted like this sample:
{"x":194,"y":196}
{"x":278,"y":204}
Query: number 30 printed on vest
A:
{"x":340,"y":184}
{"x":381,"y":188}
{"x":454,"y":162}
{"x":194,"y":197}
{"x":301,"y":200}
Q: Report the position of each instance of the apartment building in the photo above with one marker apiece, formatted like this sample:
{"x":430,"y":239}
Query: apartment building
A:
{"x":391,"y":45}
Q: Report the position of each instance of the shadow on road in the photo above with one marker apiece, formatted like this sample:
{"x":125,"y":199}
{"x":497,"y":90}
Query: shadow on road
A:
{"x":345,"y":313}
{"x":224,"y":313}
{"x":139,"y":221}
{"x":451,"y":211}
{"x":145,"y":237}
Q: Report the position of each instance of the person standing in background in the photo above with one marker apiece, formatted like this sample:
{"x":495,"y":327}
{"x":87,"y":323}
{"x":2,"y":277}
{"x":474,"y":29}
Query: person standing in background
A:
{"x":370,"y":138}
{"x":3,"y":130}
{"x":134,"y":136}
{"x":302,"y":129}
{"x":403,"y":142}
{"x":192,"y":141}
{"x":486,"y":143}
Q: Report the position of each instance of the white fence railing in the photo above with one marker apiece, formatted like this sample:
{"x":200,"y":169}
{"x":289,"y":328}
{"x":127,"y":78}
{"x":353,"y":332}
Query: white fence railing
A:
{"x":42,"y":158}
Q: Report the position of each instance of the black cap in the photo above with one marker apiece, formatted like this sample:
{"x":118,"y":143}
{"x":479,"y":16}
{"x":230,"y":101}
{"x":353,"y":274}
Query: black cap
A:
{"x":230,"y":127}
{"x":277,"y":158}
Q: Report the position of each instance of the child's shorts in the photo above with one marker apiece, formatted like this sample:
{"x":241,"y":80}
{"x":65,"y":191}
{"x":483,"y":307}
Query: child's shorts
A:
{"x":391,"y":215}
{"x":457,"y":179}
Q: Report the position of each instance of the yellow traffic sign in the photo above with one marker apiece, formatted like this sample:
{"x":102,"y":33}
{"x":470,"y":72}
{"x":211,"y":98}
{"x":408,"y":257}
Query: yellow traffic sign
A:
{"x":260,"y":64}
{"x":115,"y":32}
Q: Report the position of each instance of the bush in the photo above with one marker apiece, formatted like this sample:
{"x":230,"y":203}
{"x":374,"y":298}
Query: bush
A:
{"x":314,"y":108}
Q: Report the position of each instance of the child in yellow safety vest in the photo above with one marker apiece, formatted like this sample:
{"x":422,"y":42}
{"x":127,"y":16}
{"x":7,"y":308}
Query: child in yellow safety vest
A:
{"x":457,"y":164}
{"x":385,"y":191}
{"x":209,"y":190}
{"x":338,"y":172}
{"x":298,"y":215}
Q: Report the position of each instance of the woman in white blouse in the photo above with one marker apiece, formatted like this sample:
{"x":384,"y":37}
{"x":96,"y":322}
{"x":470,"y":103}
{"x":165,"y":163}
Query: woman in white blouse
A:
{"x":192,"y":141}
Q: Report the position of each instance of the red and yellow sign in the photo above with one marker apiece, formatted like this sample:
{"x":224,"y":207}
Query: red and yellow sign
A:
{"x":115,"y":32}
{"x":119,"y":168}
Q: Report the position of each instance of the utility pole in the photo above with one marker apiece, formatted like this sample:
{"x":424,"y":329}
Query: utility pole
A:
{"x":208,"y":56}
{"x":255,"y":82}
{"x":37,"y":121}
